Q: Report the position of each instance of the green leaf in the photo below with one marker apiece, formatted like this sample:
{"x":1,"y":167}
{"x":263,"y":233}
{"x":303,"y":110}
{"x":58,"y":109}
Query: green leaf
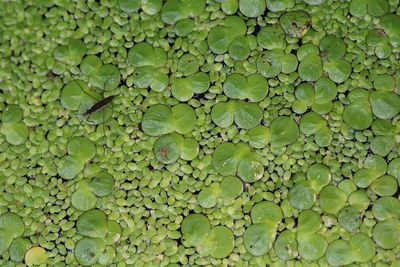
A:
{"x":16,"y":133}
{"x":70,"y":166}
{"x":194,"y":227}
{"x":158,"y":120}
{"x":92,"y":223}
{"x":252,"y":8}
{"x":338,"y":70}
{"x":358,"y":115}
{"x":102,"y":184}
{"x":83,"y":199}
{"x":319,"y":176}
{"x":208,"y":197}
{"x":266,"y":212}
{"x":12,"y":224}
{"x":332,"y":199}
{"x":284,"y":131}
{"x":386,"y":233}
{"x":349,"y":218}
{"x":88,"y":250}
{"x":168,"y":147}
{"x":312,"y":247}
{"x":259,"y":238}
{"x":82,"y":148}
{"x":230,"y":188}
{"x":18,"y":248}
{"x":219,"y":242}
{"x":35,"y":256}
{"x":310,"y":68}
{"x":272,"y":37}
{"x":385,"y":105}
{"x":286,"y":245}
{"x":301,"y":196}
{"x":107,"y":77}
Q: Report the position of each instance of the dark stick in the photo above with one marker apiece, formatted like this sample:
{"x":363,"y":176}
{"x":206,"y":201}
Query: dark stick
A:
{"x":99,"y":105}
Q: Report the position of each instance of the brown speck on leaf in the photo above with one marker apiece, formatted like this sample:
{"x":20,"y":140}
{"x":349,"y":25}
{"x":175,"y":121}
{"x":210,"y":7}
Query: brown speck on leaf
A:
{"x":50,"y":75}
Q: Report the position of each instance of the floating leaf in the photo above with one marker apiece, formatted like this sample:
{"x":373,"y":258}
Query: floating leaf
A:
{"x":219,"y":242}
{"x":254,"y":87}
{"x":194,"y":228}
{"x":88,"y":250}
{"x":92,"y":223}
{"x":35,"y":256}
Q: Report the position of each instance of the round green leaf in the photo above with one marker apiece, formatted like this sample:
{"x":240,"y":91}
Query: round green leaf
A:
{"x":295,"y":23}
{"x":190,"y":149}
{"x":394,"y":169}
{"x":188,"y":64}
{"x":258,"y":239}
{"x":382,"y":145}
{"x":318,"y":176}
{"x":301,"y":196}
{"x":266,"y":212}
{"x":252,"y":8}
{"x":312,"y":247}
{"x":158,"y":120}
{"x":88,"y":250}
{"x":338,"y":70}
{"x":309,"y":222}
{"x":325,"y":90}
{"x":184,"y":118}
{"x":167,"y":148}
{"x":113,"y":233}
{"x":108,"y":256}
{"x":230,"y":188}
{"x":259,"y":136}
{"x":225,"y":160}
{"x":362,"y":247}
{"x":35,"y":256}
{"x":70,"y":166}
{"x":378,"y":8}
{"x":272,"y":37}
{"x":349,"y":218}
{"x":12,"y":224}
{"x":102,"y":184}
{"x":5,"y":240}
{"x":18,"y":248}
{"x":143,"y":54}
{"x":16,"y":133}
{"x":386,"y":233}
{"x":311,"y":123}
{"x":12,"y":114}
{"x":385,"y":208}
{"x":90,"y":64}
{"x":239,"y":48}
{"x":107,"y":77}
{"x":332,"y":199}
{"x":286,"y":245}
{"x":332,"y":47}
{"x":82,"y":148}
{"x":247,"y":115}
{"x":310,"y":68}
{"x":358,"y":115}
{"x":76,"y":95}
{"x":222,"y":114}
{"x":305,"y":93}
{"x":208,"y":197}
{"x":83,"y":199}
{"x":284,"y":131}
{"x":339,"y":253}
{"x":219,"y":242}
{"x":194,"y":228}
{"x":385,"y":105}
{"x":249,"y":169}
{"x":92,"y":223}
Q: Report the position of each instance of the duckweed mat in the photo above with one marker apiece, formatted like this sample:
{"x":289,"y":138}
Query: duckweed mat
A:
{"x":200,"y":133}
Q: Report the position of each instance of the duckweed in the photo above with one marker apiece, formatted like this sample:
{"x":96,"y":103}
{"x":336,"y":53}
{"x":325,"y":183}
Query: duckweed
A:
{"x":200,"y":133}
